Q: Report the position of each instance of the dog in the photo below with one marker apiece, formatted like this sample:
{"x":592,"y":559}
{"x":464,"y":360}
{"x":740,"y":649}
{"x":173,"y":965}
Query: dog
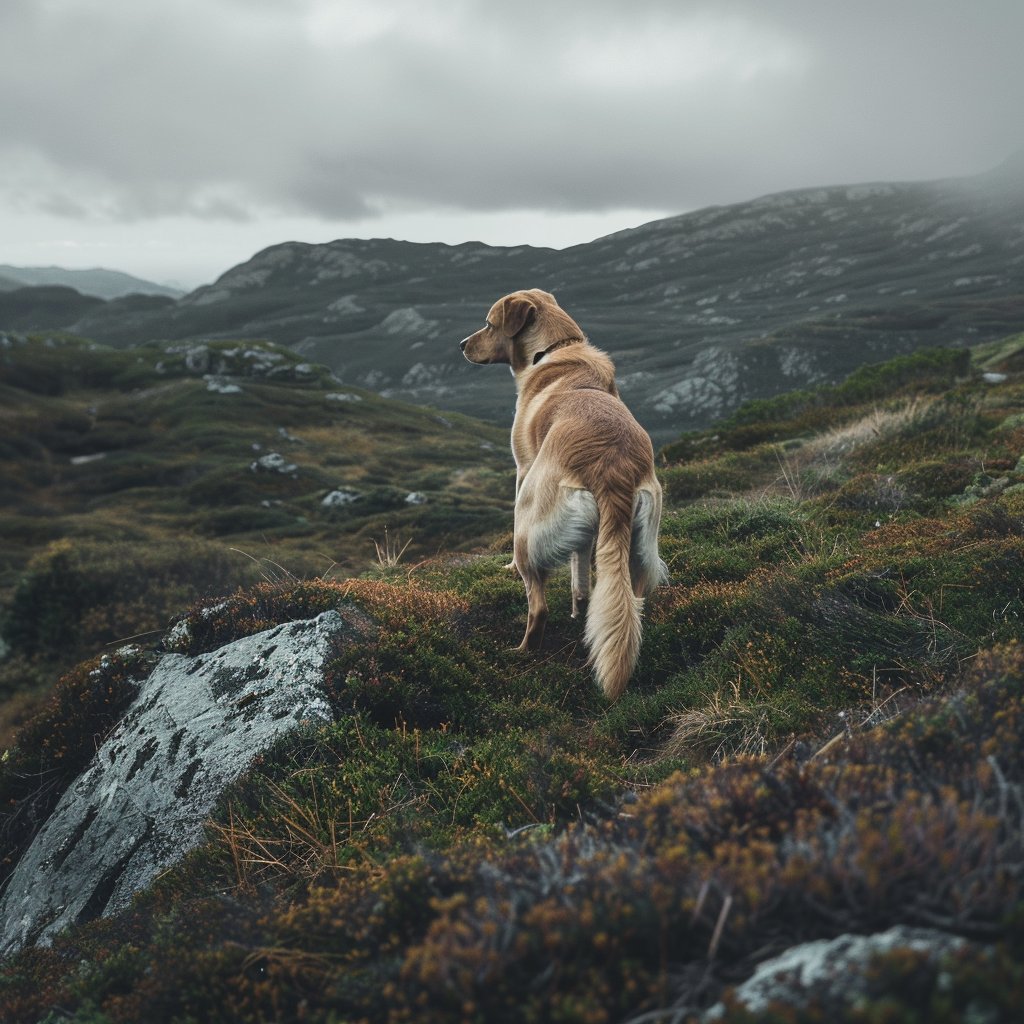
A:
{"x":585,"y":482}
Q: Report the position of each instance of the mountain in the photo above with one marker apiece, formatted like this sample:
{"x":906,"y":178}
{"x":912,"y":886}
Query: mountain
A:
{"x":700,"y":312}
{"x":103,"y":284}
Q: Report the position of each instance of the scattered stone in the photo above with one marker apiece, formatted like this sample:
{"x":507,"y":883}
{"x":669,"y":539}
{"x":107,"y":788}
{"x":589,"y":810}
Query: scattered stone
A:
{"x":221,"y":385}
{"x":197,"y":357}
{"x":343,"y":396}
{"x":408,"y":320}
{"x":415,"y":498}
{"x":82,"y":460}
{"x":340,"y":497}
{"x":993,"y":378}
{"x":273,"y":462}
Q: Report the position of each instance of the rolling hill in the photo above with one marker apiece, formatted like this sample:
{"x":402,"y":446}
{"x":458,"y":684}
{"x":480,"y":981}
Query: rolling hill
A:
{"x":43,"y":307}
{"x":149,"y":476}
{"x":701,"y":312}
{"x":100,"y":283}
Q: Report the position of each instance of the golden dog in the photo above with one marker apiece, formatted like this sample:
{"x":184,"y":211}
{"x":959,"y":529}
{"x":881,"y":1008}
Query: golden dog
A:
{"x":585,"y":478}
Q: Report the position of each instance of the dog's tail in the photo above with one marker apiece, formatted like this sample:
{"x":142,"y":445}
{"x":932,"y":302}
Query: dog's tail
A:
{"x":613,"y":618}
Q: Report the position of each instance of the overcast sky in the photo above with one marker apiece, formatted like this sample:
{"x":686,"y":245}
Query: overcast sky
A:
{"x":174,"y":138}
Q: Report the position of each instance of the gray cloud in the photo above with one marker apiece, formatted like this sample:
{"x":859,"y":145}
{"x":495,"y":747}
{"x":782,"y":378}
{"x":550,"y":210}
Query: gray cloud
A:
{"x":228,"y":110}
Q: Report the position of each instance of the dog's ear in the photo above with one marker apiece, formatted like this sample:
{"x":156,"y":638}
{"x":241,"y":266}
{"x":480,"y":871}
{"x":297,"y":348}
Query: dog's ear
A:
{"x":516,"y":313}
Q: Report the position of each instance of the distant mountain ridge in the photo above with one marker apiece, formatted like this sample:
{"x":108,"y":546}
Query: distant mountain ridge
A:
{"x":700,"y":311}
{"x":103,"y":284}
{"x":43,"y":307}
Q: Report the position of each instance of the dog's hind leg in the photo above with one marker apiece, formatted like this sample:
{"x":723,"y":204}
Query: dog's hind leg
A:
{"x":646,"y":569}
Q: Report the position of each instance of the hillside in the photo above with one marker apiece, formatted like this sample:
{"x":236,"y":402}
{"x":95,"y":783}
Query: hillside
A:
{"x":265,"y":465}
{"x":43,"y":308}
{"x":701,"y":312}
{"x":822,"y":743}
{"x":99,"y":283}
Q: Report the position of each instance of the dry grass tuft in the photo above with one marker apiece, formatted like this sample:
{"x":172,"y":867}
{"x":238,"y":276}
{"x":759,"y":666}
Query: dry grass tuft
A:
{"x":389,"y":554}
{"x":727,"y":726}
{"x":809,"y":468}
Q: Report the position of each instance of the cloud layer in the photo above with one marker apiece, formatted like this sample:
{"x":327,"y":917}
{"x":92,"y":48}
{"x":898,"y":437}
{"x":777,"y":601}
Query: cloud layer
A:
{"x":228,"y":111}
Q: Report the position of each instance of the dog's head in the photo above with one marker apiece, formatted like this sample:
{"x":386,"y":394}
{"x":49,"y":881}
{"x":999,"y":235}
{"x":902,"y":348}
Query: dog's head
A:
{"x":519,"y":328}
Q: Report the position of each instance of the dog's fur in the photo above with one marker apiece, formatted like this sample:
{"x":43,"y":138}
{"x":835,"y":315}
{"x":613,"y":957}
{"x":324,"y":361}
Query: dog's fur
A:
{"x":585,"y":482}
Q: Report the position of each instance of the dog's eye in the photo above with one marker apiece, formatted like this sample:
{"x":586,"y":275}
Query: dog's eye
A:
{"x":487,"y":323}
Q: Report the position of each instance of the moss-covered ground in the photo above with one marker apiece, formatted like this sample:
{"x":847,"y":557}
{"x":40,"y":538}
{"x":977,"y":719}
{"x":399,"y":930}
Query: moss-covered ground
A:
{"x":823,"y":735}
{"x":132,"y":486}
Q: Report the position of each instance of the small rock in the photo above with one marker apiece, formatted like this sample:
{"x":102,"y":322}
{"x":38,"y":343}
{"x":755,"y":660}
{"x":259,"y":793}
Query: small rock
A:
{"x":831,"y":973}
{"x":273,"y":462}
{"x":221,"y":386}
{"x":340,"y":497}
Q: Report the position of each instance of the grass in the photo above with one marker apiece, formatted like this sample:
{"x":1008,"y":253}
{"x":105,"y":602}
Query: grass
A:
{"x":170,"y":482}
{"x":823,"y":735}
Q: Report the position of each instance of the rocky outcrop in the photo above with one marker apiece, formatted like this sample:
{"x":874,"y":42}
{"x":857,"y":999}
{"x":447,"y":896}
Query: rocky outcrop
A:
{"x":195,"y":726}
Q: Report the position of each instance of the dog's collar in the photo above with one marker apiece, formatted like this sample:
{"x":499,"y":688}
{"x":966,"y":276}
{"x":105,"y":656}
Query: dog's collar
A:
{"x":561,"y":343}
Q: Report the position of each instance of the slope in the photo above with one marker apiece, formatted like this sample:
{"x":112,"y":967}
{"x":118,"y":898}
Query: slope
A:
{"x":134,"y":481}
{"x":823,"y":737}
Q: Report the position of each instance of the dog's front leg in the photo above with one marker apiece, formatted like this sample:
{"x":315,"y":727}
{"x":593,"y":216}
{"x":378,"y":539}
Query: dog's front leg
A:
{"x":579,"y":561}
{"x":537,"y":614}
{"x":520,"y":473}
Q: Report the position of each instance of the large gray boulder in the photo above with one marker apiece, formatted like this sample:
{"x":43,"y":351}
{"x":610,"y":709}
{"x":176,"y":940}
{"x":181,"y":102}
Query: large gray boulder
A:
{"x":140,"y":806}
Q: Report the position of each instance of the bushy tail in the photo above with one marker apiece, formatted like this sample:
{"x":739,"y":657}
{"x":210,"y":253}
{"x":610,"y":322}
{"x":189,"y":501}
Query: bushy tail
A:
{"x":613,"y":618}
